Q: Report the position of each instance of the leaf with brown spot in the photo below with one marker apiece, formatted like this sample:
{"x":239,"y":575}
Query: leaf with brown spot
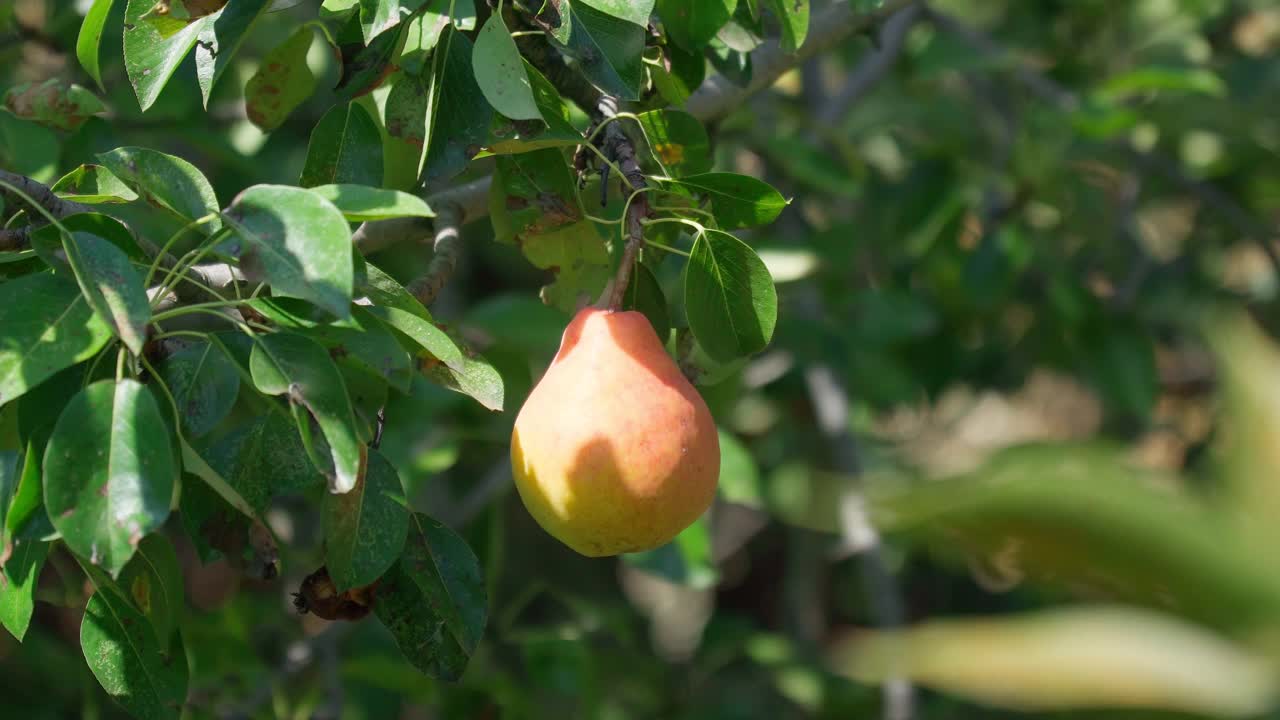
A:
{"x":53,"y":103}
{"x":282,"y":82}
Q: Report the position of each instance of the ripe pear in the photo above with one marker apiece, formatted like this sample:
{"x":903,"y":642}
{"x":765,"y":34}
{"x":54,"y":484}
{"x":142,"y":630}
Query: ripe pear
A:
{"x":614,"y":451}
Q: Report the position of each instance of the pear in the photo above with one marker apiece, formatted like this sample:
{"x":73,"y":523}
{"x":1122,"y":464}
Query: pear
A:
{"x":614,"y":451}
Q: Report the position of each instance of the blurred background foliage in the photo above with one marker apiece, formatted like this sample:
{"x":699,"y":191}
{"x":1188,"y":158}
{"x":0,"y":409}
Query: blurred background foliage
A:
{"x":1025,"y":290}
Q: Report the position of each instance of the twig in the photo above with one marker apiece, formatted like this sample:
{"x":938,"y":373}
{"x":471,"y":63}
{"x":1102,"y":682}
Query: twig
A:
{"x":444,"y":260}
{"x":618,"y":147}
{"x":472,"y":200}
{"x":867,"y":74}
{"x":40,"y":193}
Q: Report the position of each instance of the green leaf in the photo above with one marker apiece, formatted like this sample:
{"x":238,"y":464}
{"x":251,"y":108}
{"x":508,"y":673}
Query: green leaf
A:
{"x":363,"y":339}
{"x":365,"y":529}
{"x":153,"y":582}
{"x":366,"y":68}
{"x":18,"y":581}
{"x":396,"y":307}
{"x":93,"y":184}
{"x":149,"y":681}
{"x":166,"y":181}
{"x":261,"y":460}
{"x":424,"y":29}
{"x":360,"y":203}
{"x":533,"y":194}
{"x":286,"y":364}
{"x":552,"y":129}
{"x":793,"y":16}
{"x":686,"y":560}
{"x":10,"y":477}
{"x":735,"y":66}
{"x":109,"y":282}
{"x":633,"y":11}
{"x":300,"y":241}
{"x":458,"y":116}
{"x":607,"y":50}
{"x":679,"y":73}
{"x":1070,"y":659}
{"x":45,"y":325}
{"x":90,"y":38}
{"x":154,"y":46}
{"x":222,"y":37}
{"x":25,"y":518}
{"x":1119,"y":88}
{"x":204,"y":383}
{"x":738,"y":201}
{"x":377,"y":16}
{"x":579,"y":259}
{"x":499,"y":72}
{"x":729,"y":296}
{"x":109,"y":471}
{"x":644,"y":294}
{"x":282,"y":82}
{"x":677,"y":141}
{"x":345,"y":147}
{"x":433,"y":600}
{"x":693,"y":24}
{"x":447,"y":361}
{"x":53,"y":103}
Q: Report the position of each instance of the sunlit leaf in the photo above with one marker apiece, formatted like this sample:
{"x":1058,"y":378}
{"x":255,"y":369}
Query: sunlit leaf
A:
{"x":220,"y":39}
{"x":45,"y":325}
{"x":738,"y":201}
{"x":301,"y":243}
{"x":109,"y":471}
{"x":92,"y":184}
{"x":361,"y":203}
{"x":154,"y":46}
{"x":90,"y":37}
{"x":729,"y":296}
{"x":500,"y":74}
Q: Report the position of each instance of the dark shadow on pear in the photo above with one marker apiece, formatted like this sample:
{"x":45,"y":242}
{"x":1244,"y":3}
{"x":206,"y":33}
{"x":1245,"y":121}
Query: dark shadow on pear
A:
{"x":595,"y":464}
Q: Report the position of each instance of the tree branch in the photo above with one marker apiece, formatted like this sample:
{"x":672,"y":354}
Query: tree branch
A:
{"x":444,"y":260}
{"x":867,"y":74}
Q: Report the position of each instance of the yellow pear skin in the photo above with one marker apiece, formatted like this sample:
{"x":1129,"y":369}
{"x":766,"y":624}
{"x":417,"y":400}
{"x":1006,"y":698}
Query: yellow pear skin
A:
{"x":614,"y":451}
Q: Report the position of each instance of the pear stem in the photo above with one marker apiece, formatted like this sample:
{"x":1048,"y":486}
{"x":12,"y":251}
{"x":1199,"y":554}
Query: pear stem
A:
{"x":619,"y":147}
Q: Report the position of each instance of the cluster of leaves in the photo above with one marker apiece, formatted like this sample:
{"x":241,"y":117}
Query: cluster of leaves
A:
{"x":163,"y":353}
